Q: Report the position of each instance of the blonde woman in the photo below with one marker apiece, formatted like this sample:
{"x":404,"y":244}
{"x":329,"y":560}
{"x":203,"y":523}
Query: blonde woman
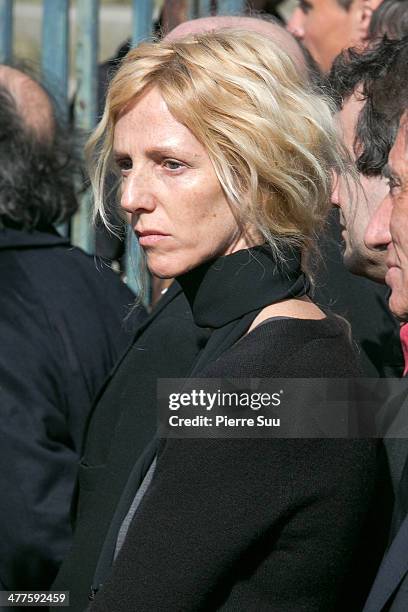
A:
{"x":226,"y":158}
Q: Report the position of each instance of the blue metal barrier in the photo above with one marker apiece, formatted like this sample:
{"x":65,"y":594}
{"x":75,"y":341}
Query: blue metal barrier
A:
{"x":6,"y":30}
{"x":142,"y":20}
{"x":204,"y":8}
{"x":55,"y":49}
{"x":230,"y":7}
{"x":86,"y":102}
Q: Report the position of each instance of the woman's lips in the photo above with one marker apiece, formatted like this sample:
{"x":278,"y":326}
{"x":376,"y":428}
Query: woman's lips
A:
{"x":151,"y":237}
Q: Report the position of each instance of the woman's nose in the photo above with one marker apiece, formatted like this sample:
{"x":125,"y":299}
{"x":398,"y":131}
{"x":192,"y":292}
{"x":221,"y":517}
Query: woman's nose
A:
{"x":137,"y":194}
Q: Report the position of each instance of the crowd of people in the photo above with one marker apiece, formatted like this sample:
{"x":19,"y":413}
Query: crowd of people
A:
{"x":264,"y":172}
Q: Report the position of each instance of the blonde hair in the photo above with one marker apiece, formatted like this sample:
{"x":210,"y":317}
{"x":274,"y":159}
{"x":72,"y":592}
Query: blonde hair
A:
{"x":270,"y":137}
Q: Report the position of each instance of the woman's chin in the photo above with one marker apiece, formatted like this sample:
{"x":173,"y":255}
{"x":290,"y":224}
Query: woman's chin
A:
{"x":163,"y":275}
{"x":165,"y":270}
{"x":167,"y":266}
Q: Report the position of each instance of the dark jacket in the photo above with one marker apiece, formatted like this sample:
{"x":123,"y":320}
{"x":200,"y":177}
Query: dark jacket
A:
{"x":225,"y":524}
{"x":61,"y":331}
{"x":123,"y":422}
{"x":390,"y":589}
{"x":252,"y":524}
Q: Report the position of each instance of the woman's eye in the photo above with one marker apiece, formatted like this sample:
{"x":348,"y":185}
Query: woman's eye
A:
{"x":124,"y":164}
{"x":172,"y":164}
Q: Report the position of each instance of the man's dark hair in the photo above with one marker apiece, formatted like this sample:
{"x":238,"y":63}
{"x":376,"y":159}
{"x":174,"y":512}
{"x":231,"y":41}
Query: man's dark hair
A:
{"x":390,"y":18}
{"x":266,"y":6}
{"x":37,"y":173}
{"x":381,"y":75}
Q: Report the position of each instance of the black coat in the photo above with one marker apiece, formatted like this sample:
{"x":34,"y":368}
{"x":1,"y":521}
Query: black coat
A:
{"x":250,"y":524}
{"x":225,"y":524}
{"x":390,"y":589}
{"x":61,"y":332}
{"x":123,"y":422}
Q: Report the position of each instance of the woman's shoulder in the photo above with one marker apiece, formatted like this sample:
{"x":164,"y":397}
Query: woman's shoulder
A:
{"x":292,"y":347}
{"x":298,"y":331}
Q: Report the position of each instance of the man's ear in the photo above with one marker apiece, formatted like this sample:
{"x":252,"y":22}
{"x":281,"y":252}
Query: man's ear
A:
{"x":363,"y":17}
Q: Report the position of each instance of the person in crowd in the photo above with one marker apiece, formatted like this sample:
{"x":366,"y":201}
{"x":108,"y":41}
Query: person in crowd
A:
{"x":119,"y":433}
{"x":61,"y":330}
{"x":111,"y":246}
{"x":326,"y":27}
{"x":357,"y":206}
{"x":383,"y":120}
{"x":349,"y":295}
{"x":214,"y":186}
{"x":388,"y":231}
{"x":350,"y":73}
{"x":352,"y":76}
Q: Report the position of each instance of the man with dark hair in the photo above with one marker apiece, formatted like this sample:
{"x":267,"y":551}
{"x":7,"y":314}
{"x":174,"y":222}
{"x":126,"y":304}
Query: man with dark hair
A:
{"x":326,"y":27}
{"x":353,"y":295}
{"x":386,"y":98}
{"x":357,"y":201}
{"x":388,"y":231}
{"x":61,"y":332}
{"x":368,"y":124}
{"x":383,"y":123}
{"x":369,"y":140}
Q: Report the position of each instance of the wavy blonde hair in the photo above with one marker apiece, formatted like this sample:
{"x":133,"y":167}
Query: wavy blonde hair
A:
{"x":270,"y":136}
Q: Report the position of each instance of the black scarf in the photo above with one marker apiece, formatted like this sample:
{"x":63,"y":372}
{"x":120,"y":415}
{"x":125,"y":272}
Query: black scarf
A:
{"x":227,"y":294}
{"x":225,"y":289}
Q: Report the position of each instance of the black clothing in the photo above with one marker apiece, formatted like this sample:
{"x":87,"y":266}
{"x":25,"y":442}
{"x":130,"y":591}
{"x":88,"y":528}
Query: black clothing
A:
{"x":215,"y":293}
{"x":61,"y":332}
{"x":201,"y":287}
{"x":123,"y":423}
{"x":225,"y":524}
{"x":363,"y":303}
{"x":389,"y":592}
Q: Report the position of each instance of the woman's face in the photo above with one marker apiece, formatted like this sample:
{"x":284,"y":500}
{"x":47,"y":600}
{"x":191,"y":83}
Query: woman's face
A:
{"x":174,"y":201}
